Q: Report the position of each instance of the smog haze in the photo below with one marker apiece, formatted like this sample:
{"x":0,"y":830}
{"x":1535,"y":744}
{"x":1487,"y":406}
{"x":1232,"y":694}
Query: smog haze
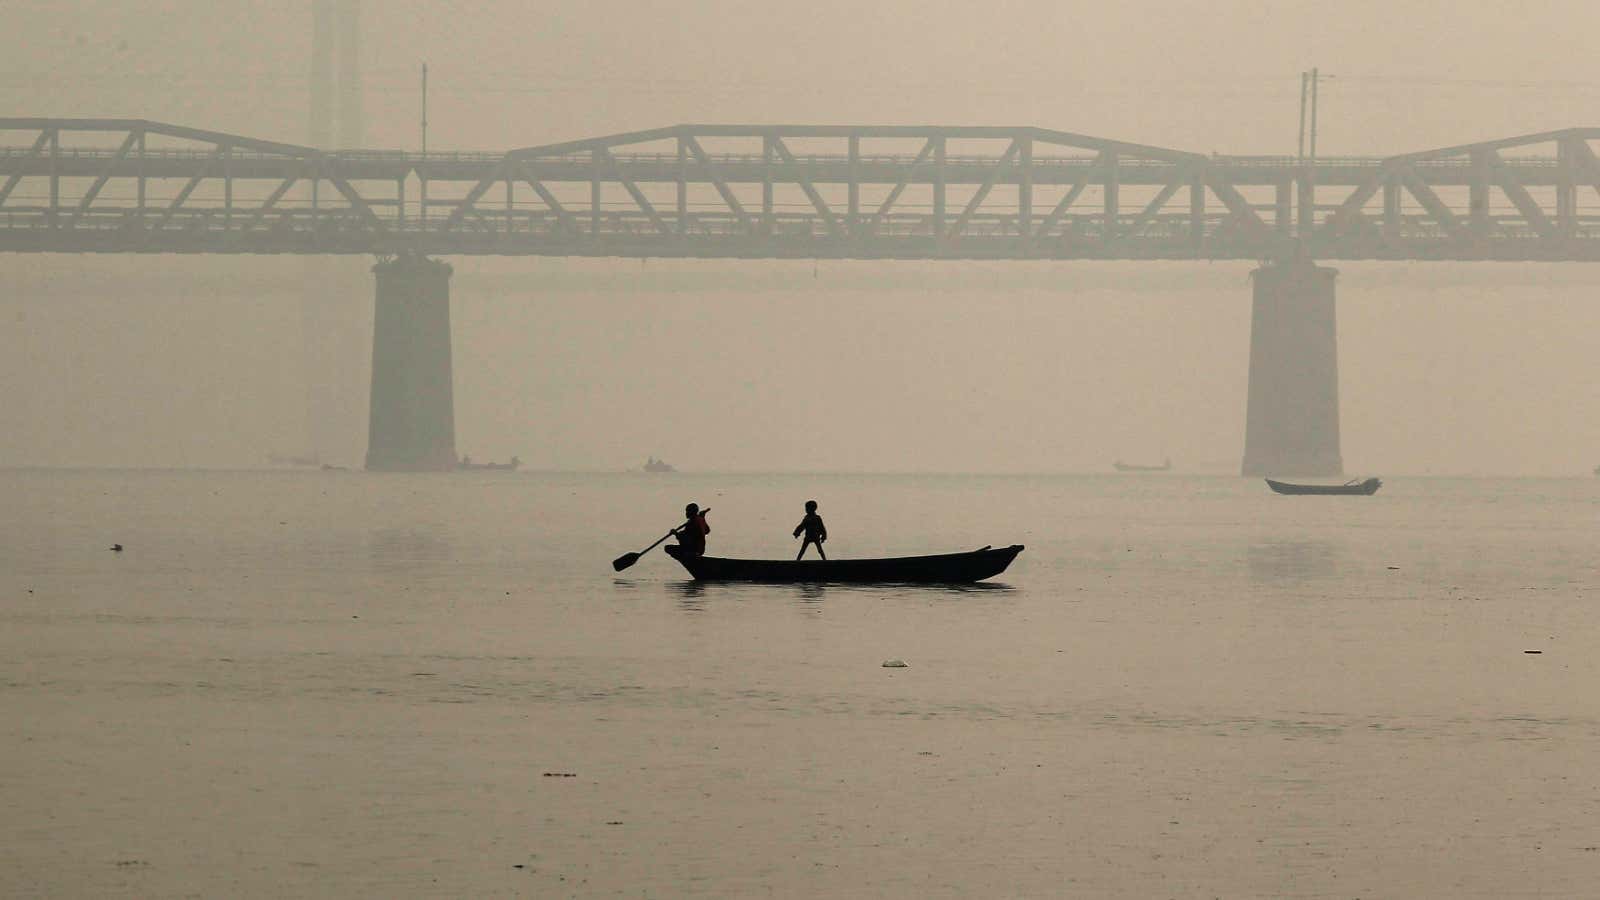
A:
{"x":1444,"y":368}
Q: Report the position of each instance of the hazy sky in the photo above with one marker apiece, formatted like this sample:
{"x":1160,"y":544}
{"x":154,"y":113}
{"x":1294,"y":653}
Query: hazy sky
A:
{"x":994,"y":367}
{"x":1221,"y":75}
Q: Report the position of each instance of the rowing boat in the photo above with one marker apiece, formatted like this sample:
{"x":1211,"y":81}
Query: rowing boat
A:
{"x":1368,"y":487}
{"x":1120,"y":466}
{"x":948,"y":568}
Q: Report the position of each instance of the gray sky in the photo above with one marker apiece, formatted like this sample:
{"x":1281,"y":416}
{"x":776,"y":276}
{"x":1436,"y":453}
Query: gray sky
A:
{"x":1220,"y":75}
{"x":958,"y":366}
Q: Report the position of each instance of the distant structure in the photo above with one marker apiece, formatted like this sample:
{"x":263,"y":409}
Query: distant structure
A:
{"x":1292,"y":410}
{"x":766,"y":191}
{"x":336,"y":98}
{"x":411,"y":425}
{"x":658,"y":465}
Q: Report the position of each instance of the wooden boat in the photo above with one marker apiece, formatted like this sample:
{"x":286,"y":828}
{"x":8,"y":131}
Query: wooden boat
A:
{"x":1353,"y":486}
{"x":1120,"y":466}
{"x":948,"y":568}
{"x":467,"y":464}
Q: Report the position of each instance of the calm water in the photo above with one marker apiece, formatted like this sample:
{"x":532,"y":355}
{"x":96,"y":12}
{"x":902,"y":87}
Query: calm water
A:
{"x":336,"y":684}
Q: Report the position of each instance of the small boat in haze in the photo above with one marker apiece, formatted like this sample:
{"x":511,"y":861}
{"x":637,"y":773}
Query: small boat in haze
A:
{"x":1121,"y":466}
{"x":658,"y":465}
{"x":467,"y":464}
{"x":278,"y":459}
{"x":948,"y":568}
{"x":1354,"y":486}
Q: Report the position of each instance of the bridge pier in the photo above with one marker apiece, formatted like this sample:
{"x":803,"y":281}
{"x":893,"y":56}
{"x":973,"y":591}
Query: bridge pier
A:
{"x":1292,"y":420}
{"x":411,"y":424}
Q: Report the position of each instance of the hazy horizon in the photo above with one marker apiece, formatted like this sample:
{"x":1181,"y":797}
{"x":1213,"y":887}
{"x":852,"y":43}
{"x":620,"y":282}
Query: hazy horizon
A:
{"x":592,"y":365}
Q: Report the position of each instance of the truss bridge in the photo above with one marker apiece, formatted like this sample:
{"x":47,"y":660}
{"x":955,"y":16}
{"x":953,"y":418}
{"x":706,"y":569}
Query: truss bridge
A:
{"x":771,"y":192}
{"x":864,"y":192}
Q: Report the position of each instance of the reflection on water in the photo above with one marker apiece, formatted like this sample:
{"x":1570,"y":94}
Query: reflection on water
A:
{"x":692,"y":595}
{"x":407,"y":548}
{"x":688,"y":588}
{"x":979,"y":587}
{"x":1294,"y":560}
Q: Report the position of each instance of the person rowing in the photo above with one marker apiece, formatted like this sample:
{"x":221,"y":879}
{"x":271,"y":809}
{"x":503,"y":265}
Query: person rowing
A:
{"x":692,"y":533}
{"x":691,"y":537}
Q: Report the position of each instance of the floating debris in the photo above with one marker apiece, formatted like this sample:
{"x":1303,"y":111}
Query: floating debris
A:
{"x":1532,"y":651}
{"x":895,"y":664}
{"x":561,"y":774}
{"x":116,"y":548}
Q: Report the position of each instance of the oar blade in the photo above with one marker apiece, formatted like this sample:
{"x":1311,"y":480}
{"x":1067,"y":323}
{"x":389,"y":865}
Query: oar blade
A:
{"x":624,"y":561}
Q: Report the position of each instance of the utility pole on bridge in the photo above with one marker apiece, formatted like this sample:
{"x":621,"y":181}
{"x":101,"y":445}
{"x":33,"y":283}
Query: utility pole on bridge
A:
{"x":1309,"y":82}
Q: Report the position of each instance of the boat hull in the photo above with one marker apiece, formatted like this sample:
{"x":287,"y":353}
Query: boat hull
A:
{"x":1364,"y":488}
{"x":948,"y":568}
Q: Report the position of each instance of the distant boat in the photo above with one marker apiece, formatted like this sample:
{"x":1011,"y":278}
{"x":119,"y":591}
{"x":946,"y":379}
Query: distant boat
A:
{"x":1353,"y":486}
{"x":948,"y":568}
{"x":1121,"y":466}
{"x":658,"y":465}
{"x":468,"y":464}
{"x":1597,"y":470}
{"x":278,"y":459}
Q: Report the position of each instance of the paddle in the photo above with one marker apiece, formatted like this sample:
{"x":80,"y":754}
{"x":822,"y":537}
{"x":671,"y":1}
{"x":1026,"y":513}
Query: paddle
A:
{"x":628,"y":559}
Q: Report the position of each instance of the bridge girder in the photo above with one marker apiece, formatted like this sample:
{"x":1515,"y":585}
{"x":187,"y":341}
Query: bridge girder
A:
{"x":126,"y":185}
{"x":1466,"y":224}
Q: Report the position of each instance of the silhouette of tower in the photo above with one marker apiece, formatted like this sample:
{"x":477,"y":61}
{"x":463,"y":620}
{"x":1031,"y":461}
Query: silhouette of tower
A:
{"x":335,"y":121}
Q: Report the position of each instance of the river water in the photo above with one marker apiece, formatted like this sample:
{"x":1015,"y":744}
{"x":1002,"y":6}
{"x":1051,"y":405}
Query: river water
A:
{"x":306,"y":683}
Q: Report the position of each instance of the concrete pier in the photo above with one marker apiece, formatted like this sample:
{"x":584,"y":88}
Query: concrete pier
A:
{"x":1292,"y":421}
{"x":411,"y":422}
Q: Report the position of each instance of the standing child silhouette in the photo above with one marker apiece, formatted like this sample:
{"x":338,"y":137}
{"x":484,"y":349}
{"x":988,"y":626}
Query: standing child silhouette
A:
{"x":815,"y":531}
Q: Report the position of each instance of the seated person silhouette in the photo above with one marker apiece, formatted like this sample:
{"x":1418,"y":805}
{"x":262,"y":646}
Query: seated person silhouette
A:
{"x":691,"y":534}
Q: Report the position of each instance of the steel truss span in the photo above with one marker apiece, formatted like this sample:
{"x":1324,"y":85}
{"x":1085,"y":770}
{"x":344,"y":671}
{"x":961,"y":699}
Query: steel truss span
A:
{"x":859,"y":192}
